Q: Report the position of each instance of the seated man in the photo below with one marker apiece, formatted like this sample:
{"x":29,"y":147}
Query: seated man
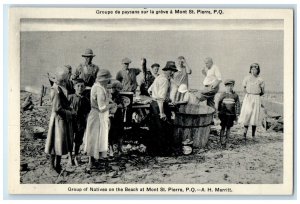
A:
{"x":211,"y":81}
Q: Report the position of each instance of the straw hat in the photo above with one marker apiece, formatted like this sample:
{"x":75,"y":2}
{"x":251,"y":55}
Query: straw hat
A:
{"x":88,"y":53}
{"x":103,"y":75}
{"x":61,"y":73}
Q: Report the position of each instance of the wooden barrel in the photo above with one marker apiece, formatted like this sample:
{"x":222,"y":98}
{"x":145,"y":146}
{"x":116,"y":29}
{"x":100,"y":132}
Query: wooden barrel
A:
{"x":193,"y":122}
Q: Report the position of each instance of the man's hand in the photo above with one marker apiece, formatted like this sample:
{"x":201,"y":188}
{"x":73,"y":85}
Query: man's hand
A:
{"x":215,"y":84}
{"x":163,"y":116}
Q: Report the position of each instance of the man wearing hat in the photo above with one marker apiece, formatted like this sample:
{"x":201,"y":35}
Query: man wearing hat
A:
{"x":87,"y":70}
{"x":229,"y":109}
{"x":160,"y":112}
{"x":127,"y":76}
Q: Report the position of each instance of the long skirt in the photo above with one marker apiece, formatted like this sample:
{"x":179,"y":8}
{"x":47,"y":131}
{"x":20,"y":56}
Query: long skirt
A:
{"x":250,"y":110}
{"x":96,"y":134}
{"x":60,"y":135}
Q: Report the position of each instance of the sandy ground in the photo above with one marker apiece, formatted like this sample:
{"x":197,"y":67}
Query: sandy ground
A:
{"x":257,"y":162}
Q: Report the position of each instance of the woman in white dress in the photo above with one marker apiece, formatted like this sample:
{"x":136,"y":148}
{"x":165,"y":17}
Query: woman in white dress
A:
{"x":254,"y":87}
{"x":97,"y":129}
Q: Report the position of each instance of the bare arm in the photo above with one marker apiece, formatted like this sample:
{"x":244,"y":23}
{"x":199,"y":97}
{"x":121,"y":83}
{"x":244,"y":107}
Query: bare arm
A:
{"x":204,"y":72}
{"x":187,"y":67}
{"x":262,"y":86}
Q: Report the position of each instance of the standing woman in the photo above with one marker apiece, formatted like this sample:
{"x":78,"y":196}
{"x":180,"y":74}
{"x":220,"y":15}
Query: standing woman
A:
{"x":97,"y":128}
{"x":60,"y":134}
{"x":254,"y":87}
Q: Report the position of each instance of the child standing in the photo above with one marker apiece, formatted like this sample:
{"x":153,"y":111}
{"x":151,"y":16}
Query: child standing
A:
{"x":228,"y":109}
{"x":81,"y":105}
{"x":60,"y":134}
{"x":254,"y":87}
{"x":116,"y":120}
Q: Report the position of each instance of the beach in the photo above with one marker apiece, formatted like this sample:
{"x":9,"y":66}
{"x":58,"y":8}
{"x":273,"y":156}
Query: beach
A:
{"x":257,"y":162}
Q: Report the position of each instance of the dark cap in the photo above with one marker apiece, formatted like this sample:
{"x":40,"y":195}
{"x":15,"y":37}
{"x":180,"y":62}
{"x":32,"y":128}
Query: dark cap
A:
{"x":170,"y":66}
{"x":126,"y":60}
{"x":229,"y":81}
{"x":155,"y":65}
{"x":77,"y":81}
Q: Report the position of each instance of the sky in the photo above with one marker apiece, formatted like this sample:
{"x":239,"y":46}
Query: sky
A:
{"x":232,"y":51}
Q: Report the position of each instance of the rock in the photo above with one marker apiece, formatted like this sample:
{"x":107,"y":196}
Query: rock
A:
{"x":24,"y":167}
{"x":117,"y":168}
{"x":155,"y":166}
{"x":218,"y":156}
{"x":100,"y":179}
{"x":174,"y":167}
{"x":207,"y":171}
{"x":70,"y":169}
{"x":201,"y":151}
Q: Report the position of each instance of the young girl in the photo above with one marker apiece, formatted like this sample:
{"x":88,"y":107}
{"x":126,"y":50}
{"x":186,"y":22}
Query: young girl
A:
{"x":60,"y":134}
{"x":98,"y":124}
{"x":254,"y":87}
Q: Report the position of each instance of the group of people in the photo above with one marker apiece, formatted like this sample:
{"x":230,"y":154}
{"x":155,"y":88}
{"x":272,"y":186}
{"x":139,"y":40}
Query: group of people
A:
{"x":87,"y":107}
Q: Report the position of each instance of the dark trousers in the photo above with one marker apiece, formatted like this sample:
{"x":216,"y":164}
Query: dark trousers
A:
{"x":161,"y":132}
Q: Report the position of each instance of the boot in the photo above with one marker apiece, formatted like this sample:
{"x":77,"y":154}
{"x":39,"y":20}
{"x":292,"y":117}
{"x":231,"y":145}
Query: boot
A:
{"x":58,"y":167}
{"x":227,"y":136}
{"x":253,"y":132}
{"x":222,"y":136}
{"x":245,"y":134}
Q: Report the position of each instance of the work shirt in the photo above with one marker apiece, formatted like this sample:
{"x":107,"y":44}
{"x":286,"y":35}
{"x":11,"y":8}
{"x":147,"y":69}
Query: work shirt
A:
{"x":212,"y":75}
{"x":181,"y":77}
{"x":86,"y":72}
{"x":128,"y":78}
{"x":161,"y":88}
{"x":229,"y":104}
